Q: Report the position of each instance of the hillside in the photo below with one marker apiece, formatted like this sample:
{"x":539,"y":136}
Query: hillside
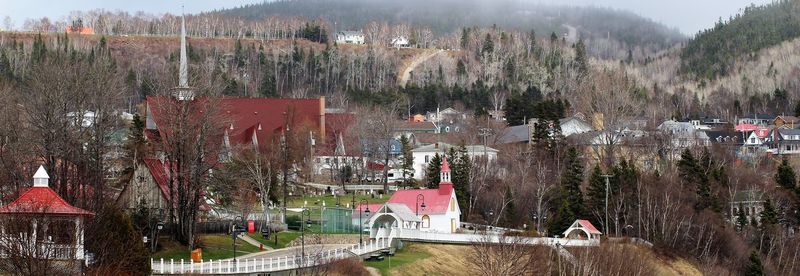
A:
{"x":448,"y":16}
{"x":714,"y":52}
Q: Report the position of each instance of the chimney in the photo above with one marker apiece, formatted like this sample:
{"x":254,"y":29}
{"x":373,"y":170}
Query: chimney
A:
{"x":40,"y":178}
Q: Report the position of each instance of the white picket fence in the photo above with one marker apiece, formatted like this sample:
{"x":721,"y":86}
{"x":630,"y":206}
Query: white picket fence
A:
{"x":250,"y":265}
{"x":466,"y":238}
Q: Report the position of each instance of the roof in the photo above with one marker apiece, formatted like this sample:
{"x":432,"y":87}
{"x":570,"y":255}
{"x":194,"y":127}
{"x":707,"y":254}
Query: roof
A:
{"x":583,"y":224}
{"x":445,"y":165}
{"x":746,"y":127}
{"x":515,"y":134}
{"x":761,"y":116}
{"x":373,"y":208}
{"x":748,"y":195}
{"x":402,"y":211}
{"x":443,"y":147}
{"x":42,"y":200}
{"x":436,"y":200}
{"x":158,"y":170}
{"x":406,"y":125}
{"x":264,"y":116}
{"x":788,"y":119}
{"x":351,"y":33}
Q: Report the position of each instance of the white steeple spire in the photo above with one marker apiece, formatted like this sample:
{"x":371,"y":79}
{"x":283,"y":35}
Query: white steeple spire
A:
{"x":184,"y":71}
{"x":40,"y":178}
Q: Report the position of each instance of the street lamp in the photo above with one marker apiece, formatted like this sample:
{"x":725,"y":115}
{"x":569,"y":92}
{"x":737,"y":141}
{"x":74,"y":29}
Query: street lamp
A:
{"x":235,"y":230}
{"x":307,"y":215}
{"x":420,"y":197}
{"x":360,"y":223}
{"x":156,"y":225}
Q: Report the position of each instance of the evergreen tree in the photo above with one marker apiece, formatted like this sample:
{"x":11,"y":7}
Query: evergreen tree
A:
{"x":571,"y":194}
{"x":785,"y":176}
{"x":6,"y":72}
{"x":461,"y":171}
{"x":769,"y":216}
{"x":596,"y":196}
{"x":434,"y":167}
{"x":488,"y":45}
{"x":754,"y":268}
{"x":741,"y":218}
{"x":562,"y":219}
{"x":797,"y":109}
{"x":692,"y":173}
{"x":407,"y":158}
{"x":581,"y":59}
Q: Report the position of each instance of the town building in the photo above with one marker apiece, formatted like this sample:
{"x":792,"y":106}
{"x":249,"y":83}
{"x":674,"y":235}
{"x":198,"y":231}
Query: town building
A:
{"x":424,"y":154}
{"x":750,"y":201}
{"x":39,"y":224}
{"x":788,"y":121}
{"x":756,"y":119}
{"x":427,"y":210}
{"x":349,"y":37}
{"x":400,"y":42}
{"x":783,"y":141}
{"x":682,"y":135}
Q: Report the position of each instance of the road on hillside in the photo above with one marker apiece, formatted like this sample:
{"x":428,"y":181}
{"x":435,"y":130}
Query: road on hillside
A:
{"x":406,"y":74}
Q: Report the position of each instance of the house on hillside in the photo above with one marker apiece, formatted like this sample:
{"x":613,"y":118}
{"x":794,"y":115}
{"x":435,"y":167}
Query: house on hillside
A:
{"x":426,"y":210}
{"x":349,"y":37}
{"x":756,"y":119}
{"x":783,"y":141}
{"x":750,"y":201}
{"x":424,"y":154}
{"x":400,"y":42}
{"x":407,"y":128}
{"x":788,"y":121}
{"x":39,"y":224}
{"x":682,"y":135}
{"x":754,"y":141}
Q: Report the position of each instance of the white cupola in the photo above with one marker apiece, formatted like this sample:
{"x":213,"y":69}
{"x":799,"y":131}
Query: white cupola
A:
{"x":40,"y":178}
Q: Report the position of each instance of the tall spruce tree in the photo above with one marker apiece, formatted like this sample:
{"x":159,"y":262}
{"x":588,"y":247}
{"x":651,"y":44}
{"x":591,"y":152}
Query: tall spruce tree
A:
{"x":407,"y":160}
{"x":769,"y":216}
{"x":741,"y":218}
{"x":785,"y":177}
{"x":571,"y":197}
{"x":461,"y":169}
{"x":754,"y":267}
{"x":596,"y":196}
{"x":691,"y":172}
{"x":432,"y":173}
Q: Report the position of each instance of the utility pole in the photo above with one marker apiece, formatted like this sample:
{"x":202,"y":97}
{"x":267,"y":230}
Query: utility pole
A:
{"x":607,"y":176}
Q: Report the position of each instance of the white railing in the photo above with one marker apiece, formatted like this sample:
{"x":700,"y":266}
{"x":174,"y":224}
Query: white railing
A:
{"x":258,"y":265}
{"x":417,"y":235}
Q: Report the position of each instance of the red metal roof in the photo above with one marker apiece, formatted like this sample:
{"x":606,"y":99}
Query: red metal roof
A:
{"x":436,"y":200}
{"x":264,"y":116}
{"x":589,"y":227}
{"x":158,"y":170}
{"x":373,"y":207}
{"x":42,"y":200}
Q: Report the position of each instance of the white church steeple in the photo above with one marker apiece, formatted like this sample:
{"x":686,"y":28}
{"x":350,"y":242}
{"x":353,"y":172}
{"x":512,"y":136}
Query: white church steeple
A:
{"x":183,"y":91}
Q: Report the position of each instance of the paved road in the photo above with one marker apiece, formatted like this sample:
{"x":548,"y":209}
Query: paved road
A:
{"x":292,"y":251}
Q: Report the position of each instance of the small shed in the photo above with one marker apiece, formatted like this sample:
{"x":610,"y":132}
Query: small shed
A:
{"x":582,"y":230}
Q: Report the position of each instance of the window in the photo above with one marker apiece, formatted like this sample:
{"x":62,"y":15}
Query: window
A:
{"x":427,"y":158}
{"x":426,"y":221}
{"x":452,"y":205}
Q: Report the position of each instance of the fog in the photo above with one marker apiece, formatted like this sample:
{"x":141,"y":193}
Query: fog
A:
{"x":689,"y":16}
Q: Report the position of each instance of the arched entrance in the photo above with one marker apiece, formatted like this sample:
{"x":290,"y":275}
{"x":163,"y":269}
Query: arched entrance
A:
{"x":381,"y":226}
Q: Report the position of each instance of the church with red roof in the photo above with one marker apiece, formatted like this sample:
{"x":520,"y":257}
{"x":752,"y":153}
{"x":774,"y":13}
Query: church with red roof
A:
{"x":427,"y":210}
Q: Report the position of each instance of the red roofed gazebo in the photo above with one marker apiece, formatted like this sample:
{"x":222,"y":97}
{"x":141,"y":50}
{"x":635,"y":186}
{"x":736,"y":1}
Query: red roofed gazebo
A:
{"x":582,"y":230}
{"x":41,"y":225}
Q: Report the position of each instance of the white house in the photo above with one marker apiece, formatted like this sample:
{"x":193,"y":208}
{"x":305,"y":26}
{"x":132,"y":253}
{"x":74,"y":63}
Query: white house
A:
{"x":427,"y":210}
{"x":783,"y":141}
{"x":400,"y":42}
{"x":683,"y":135}
{"x":350,"y":37}
{"x":424,"y":154}
{"x":574,"y":125}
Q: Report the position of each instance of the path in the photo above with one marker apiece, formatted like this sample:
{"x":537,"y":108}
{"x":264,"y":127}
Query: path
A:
{"x":254,"y":242}
{"x":402,"y":79}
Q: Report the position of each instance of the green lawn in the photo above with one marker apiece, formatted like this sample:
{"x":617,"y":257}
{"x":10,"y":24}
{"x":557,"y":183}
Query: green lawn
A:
{"x":284,"y":238}
{"x":409,"y":254}
{"x":214,"y":247}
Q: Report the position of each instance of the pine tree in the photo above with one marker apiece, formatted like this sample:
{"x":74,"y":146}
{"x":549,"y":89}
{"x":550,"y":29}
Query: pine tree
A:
{"x":785,"y":177}
{"x":460,"y":178}
{"x":754,"y":268}
{"x":571,"y":183}
{"x":434,"y":167}
{"x":769,"y":216}
{"x":581,"y":60}
{"x":6,"y":73}
{"x":407,"y":158}
{"x":596,"y":195}
{"x":741,"y":218}
{"x":562,"y":219}
{"x":692,"y":173}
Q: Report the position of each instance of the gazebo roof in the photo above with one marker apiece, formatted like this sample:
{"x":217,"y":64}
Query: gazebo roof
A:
{"x":40,"y":199}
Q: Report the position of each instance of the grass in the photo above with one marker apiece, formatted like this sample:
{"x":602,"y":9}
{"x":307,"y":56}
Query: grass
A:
{"x":214,"y":247}
{"x":409,"y":254}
